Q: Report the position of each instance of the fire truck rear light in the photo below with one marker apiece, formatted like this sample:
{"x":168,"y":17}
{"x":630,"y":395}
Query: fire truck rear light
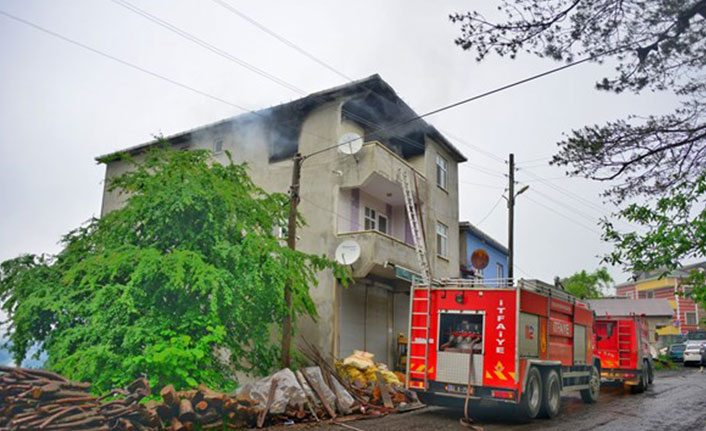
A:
{"x":507,"y":395}
{"x":629,"y":375}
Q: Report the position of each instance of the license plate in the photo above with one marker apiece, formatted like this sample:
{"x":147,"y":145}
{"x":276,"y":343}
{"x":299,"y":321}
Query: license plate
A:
{"x":457,"y":388}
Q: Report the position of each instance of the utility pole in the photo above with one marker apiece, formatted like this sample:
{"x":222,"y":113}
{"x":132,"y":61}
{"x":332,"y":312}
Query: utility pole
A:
{"x":291,"y":243}
{"x":511,"y":220}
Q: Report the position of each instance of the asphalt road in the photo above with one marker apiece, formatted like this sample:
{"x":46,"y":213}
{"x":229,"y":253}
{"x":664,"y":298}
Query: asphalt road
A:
{"x":676,"y":401}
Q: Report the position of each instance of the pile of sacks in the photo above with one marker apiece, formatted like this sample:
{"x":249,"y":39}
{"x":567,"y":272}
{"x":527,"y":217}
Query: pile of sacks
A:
{"x":361,"y":371}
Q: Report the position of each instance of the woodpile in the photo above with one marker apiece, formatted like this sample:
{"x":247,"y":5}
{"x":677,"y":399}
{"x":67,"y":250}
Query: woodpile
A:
{"x":44,"y":401}
{"x":41,"y":400}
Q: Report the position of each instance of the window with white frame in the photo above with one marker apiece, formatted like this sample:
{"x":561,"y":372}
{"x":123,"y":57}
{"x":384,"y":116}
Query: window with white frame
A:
{"x":442,"y":172}
{"x":499,"y":271}
{"x":690,"y":318}
{"x":442,"y":239}
{"x":370,"y":219}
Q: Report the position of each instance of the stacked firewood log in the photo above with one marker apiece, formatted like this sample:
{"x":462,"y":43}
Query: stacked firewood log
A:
{"x":41,"y":400}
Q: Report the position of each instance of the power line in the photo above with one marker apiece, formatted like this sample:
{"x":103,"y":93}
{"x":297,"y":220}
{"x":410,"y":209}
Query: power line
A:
{"x":331,"y":68}
{"x":190,"y":37}
{"x":568,"y":193}
{"x":567,"y":206}
{"x":218,"y":51}
{"x":563,"y":215}
{"x":489,"y":186}
{"x":491,"y":211}
{"x":123,"y":62}
{"x":282,"y":39}
{"x":149,"y":72}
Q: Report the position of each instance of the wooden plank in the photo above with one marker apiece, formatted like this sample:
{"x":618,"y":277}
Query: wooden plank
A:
{"x":309,"y":401}
{"x":270,"y":398}
{"x":386,"y":399}
{"x":317,"y":390}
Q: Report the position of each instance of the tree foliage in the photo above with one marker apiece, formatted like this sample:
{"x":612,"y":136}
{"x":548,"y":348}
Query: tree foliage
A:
{"x":660,"y":161}
{"x":586,"y":285}
{"x":184,"y":283}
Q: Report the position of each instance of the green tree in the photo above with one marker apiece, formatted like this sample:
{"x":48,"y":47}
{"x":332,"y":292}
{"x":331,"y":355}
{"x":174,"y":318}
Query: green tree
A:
{"x":184,"y":283}
{"x":654,"y":167}
{"x":586,"y":285}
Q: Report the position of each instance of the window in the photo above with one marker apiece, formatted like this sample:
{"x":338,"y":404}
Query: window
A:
{"x":499,"y":271}
{"x":442,"y":171}
{"x":442,"y":239}
{"x":370,"y":218}
{"x":218,"y":146}
{"x":382,"y":223}
{"x":690,"y":318}
{"x":373,"y":220}
{"x":647,"y":294}
{"x":630,"y":295}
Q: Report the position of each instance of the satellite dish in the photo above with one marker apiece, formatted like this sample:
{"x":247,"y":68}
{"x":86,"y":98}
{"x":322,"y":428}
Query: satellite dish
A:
{"x":350,"y":143}
{"x":347,"y":252}
{"x":480,"y":258}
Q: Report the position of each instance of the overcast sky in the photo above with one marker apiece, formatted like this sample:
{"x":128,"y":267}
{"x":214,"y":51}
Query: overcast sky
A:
{"x":60,"y":106}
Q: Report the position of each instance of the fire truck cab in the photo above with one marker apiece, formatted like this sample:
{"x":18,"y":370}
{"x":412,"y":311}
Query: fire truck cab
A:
{"x":524,"y":344}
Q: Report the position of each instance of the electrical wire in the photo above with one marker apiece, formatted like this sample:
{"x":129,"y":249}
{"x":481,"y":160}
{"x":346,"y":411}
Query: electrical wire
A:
{"x":192,"y":38}
{"x":489,"y":186}
{"x":285,"y":84}
{"x":568,"y":193}
{"x":282,"y":39}
{"x":563,"y":215}
{"x":490,"y":212}
{"x":565,"y":205}
{"x":121,"y":61}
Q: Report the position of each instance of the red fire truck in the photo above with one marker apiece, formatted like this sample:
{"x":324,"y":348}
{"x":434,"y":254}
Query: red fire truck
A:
{"x":623,"y":348}
{"x":524,"y":344}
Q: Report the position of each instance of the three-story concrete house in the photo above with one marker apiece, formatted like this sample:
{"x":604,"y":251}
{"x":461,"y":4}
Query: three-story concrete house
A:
{"x":346,"y":197}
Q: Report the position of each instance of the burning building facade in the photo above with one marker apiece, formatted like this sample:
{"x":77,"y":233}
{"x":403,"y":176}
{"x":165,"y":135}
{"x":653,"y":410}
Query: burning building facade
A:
{"x":347,"y":195}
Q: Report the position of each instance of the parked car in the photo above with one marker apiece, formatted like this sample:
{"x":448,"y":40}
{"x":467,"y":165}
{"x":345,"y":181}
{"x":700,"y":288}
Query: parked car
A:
{"x":692,"y":352}
{"x":676,"y":352}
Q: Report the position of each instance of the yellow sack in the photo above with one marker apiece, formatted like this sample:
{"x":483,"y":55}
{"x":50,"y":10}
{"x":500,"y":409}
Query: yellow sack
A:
{"x":360,"y":360}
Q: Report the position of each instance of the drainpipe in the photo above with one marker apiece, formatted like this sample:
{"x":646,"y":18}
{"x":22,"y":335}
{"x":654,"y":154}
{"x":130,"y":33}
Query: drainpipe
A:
{"x":676,"y":296}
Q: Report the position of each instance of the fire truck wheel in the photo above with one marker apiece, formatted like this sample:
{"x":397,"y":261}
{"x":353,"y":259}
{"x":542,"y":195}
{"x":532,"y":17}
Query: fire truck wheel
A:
{"x":650,"y":373}
{"x":532,"y":397}
{"x":644,"y":379}
{"x":551,"y":395}
{"x":590,"y":395}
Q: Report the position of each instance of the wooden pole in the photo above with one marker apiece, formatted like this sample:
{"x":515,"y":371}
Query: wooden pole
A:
{"x":292,"y":243}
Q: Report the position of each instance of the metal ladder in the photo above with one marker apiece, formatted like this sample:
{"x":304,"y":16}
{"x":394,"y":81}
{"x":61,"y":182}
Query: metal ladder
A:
{"x":624,"y":344}
{"x":420,"y":305}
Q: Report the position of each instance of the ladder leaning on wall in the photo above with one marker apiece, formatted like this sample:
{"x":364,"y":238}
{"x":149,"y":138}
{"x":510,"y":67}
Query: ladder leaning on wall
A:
{"x":419,"y":305}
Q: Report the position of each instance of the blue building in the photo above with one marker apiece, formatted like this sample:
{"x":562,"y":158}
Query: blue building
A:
{"x":471,"y":239}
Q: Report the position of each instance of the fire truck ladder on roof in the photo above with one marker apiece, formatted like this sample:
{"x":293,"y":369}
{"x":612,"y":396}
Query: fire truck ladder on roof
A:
{"x":625,"y":330}
{"x":420,"y":305}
